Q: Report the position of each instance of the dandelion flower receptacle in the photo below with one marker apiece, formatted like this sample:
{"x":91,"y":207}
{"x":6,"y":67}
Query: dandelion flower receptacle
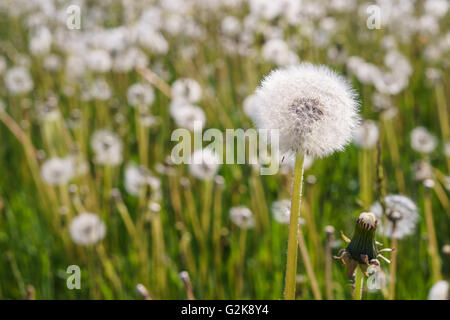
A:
{"x":315,"y":112}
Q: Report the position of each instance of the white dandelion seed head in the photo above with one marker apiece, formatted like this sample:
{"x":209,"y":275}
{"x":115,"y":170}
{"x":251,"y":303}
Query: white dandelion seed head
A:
{"x":100,"y":90}
{"x":187,"y":89}
{"x":140,"y":95}
{"x":314,"y":109}
{"x":439,"y":291}
{"x":41,"y":41}
{"x":230,"y":26}
{"x":131,"y":58}
{"x":57,"y":171}
{"x":107,"y":147}
{"x":52,"y":63}
{"x":281,"y":211}
{"x":366,"y":136}
{"x":187,"y":115}
{"x":437,"y":8}
{"x":86,"y":229}
{"x":98,"y":60}
{"x":242,"y":217}
{"x":250,"y":106}
{"x":423,"y":170}
{"x":18,"y":80}
{"x":204,"y":164}
{"x":277,"y":51}
{"x":402,"y":210}
{"x":422,"y":140}
{"x":137,"y":177}
{"x":368,"y":219}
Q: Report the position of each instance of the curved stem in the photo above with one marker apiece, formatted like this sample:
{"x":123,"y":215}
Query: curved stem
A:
{"x":291,"y":267}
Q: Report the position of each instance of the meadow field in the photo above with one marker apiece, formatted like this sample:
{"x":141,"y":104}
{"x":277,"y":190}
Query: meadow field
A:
{"x":94,"y":206}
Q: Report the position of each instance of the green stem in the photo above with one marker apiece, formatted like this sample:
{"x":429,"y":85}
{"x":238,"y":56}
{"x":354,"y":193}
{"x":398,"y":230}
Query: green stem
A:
{"x":358,"y":284}
{"x":291,"y":267}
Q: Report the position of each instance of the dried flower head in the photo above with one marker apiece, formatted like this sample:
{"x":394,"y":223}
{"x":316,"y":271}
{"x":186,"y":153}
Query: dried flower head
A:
{"x":313,"y":108}
{"x":400,"y":216}
{"x":362,"y":248}
{"x":86,"y":229}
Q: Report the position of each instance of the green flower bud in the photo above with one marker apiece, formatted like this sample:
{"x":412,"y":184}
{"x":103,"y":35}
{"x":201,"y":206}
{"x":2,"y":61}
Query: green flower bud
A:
{"x":362,"y":247}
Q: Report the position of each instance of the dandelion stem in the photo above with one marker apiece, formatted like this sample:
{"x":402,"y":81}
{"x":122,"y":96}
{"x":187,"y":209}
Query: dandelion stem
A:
{"x":433,"y":246}
{"x":357,"y":295}
{"x":393,"y":268}
{"x":291,"y":267}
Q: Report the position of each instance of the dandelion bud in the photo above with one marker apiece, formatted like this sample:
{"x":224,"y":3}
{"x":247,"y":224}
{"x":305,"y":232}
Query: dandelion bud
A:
{"x":363,"y":241}
{"x":362,"y":249}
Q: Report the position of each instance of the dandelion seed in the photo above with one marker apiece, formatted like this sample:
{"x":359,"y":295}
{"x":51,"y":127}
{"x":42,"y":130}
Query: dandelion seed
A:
{"x":87,"y":229}
{"x":242,"y":217}
{"x":401,"y":216}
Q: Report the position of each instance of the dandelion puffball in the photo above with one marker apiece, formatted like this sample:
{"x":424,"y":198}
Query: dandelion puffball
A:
{"x":366,"y":136}
{"x":86,"y":229}
{"x":399,"y":209}
{"x":422,"y":140}
{"x":204,"y":164}
{"x":439,"y":291}
{"x":314,"y":109}
{"x":242,"y":217}
{"x":57,"y":171}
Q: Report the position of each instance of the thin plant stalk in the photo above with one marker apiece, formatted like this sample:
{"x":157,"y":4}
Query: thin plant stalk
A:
{"x":393,"y":269}
{"x":433,"y":246}
{"x":291,"y":267}
{"x":328,"y":265}
{"x":357,"y":294}
{"x":308,"y":265}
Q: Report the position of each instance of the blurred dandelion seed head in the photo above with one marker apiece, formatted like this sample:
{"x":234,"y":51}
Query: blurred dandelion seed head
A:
{"x":87,"y":229}
{"x":401,"y":211}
